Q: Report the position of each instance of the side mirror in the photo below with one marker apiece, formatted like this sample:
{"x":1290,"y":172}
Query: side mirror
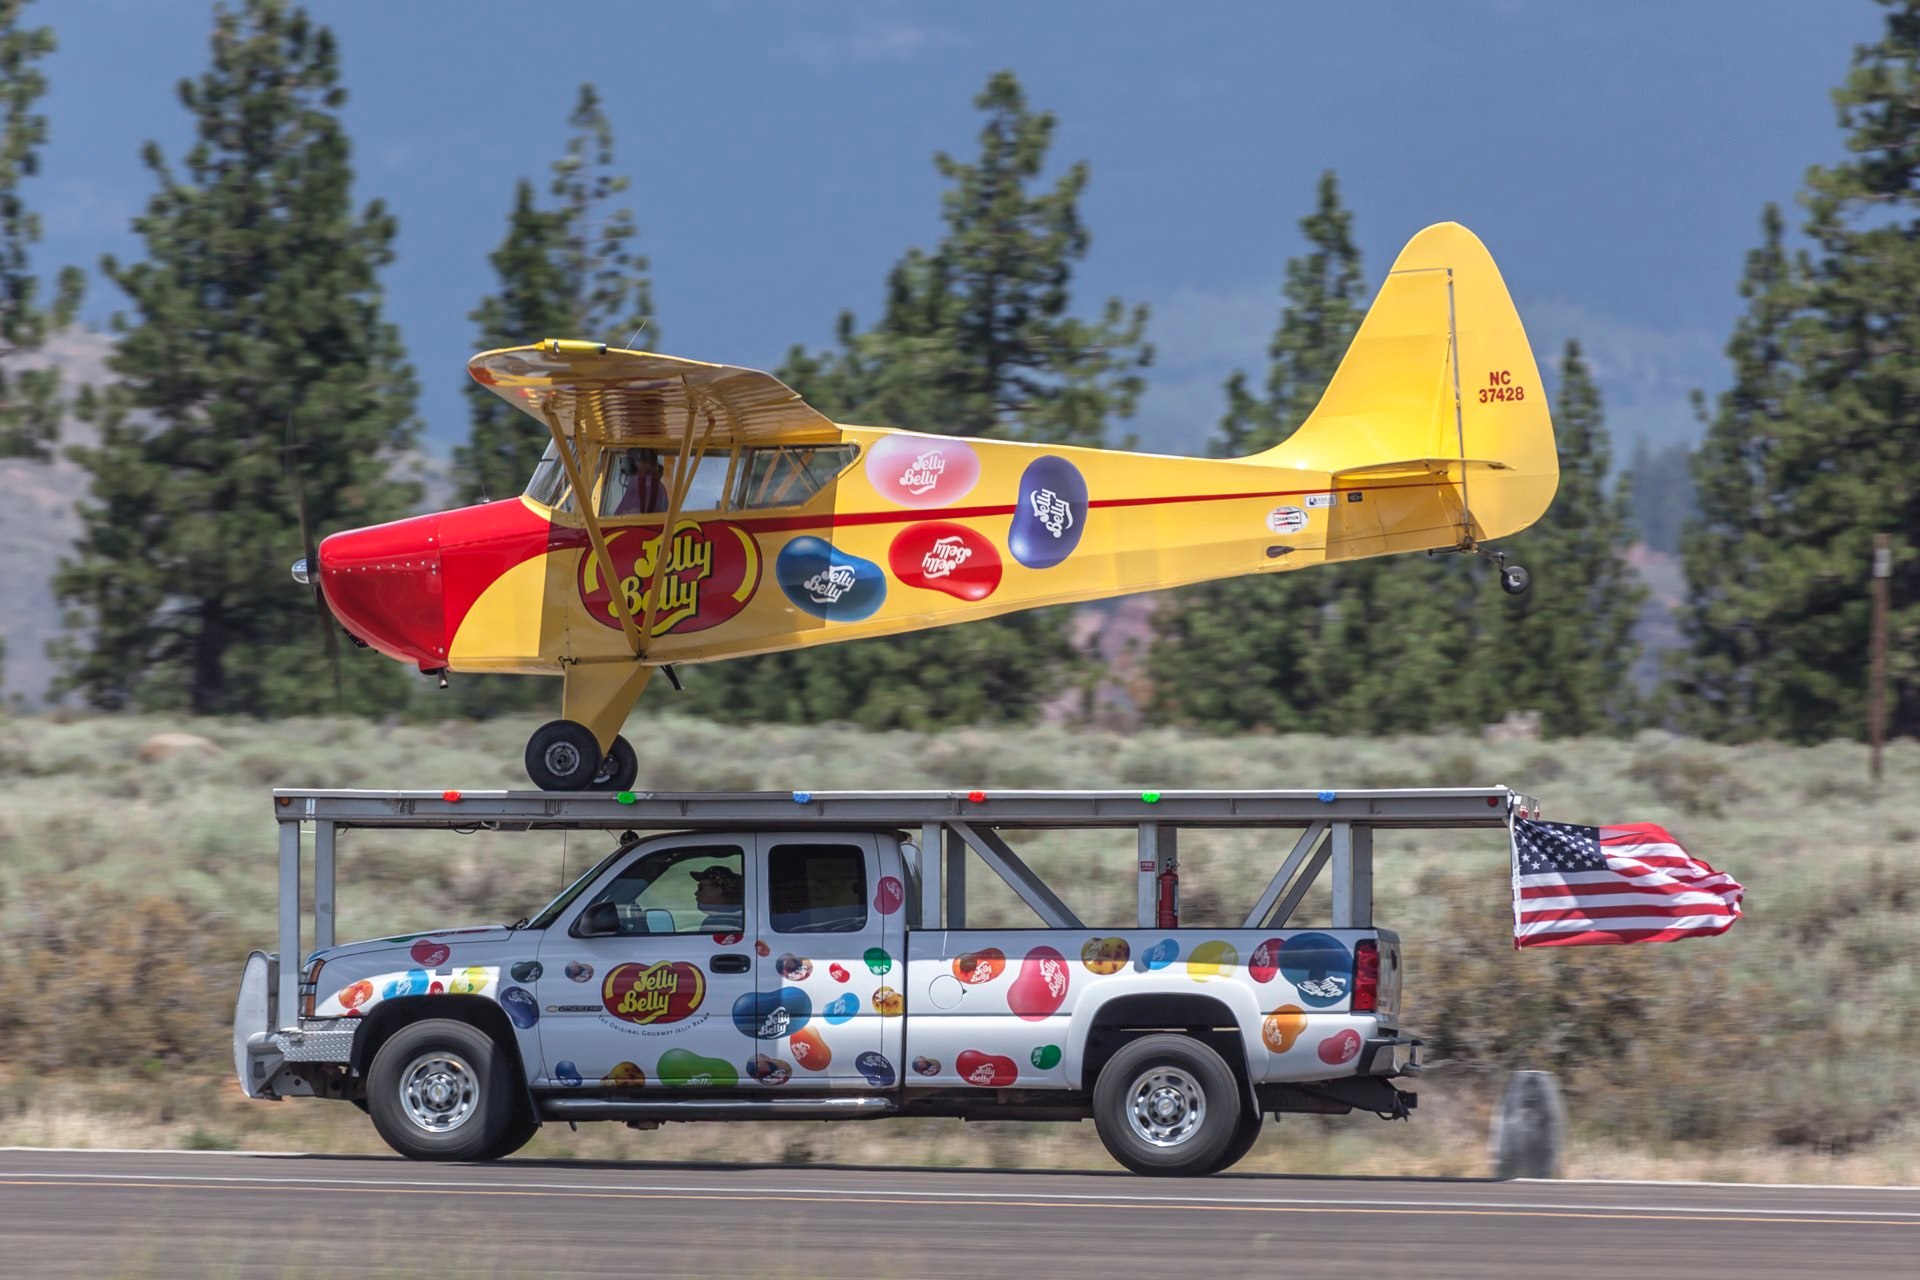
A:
{"x":601,"y":920}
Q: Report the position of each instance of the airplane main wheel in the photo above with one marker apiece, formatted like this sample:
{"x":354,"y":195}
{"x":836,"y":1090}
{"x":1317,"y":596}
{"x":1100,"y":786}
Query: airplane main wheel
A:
{"x":620,"y":769}
{"x":562,"y":755}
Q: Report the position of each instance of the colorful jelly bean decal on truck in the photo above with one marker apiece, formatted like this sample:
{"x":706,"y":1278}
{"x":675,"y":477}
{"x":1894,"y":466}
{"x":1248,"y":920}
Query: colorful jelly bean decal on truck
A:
{"x":1041,"y":986}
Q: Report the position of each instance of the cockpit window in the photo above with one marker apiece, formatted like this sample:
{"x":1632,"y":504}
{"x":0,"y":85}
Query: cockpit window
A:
{"x":637,"y":482}
{"x":549,"y":484}
{"x":788,"y":475}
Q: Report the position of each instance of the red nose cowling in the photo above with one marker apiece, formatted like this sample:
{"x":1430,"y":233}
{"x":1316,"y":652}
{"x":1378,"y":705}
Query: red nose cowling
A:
{"x":385,"y":586}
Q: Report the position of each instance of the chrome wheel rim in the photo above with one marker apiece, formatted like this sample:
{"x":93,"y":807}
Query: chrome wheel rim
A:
{"x":439,"y":1091}
{"x":1165,"y":1106}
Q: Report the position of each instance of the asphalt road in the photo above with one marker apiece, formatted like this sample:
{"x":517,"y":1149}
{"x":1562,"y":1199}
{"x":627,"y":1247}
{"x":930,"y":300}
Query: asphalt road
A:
{"x":186,"y":1214}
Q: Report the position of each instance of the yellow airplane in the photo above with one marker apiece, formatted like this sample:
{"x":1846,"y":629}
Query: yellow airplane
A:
{"x":686,"y":512}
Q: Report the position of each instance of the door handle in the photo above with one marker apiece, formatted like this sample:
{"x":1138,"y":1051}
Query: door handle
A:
{"x":729,"y":963}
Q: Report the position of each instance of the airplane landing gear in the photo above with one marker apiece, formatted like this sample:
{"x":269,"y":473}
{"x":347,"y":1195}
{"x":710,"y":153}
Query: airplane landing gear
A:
{"x":562,"y":755}
{"x":1514,"y":580}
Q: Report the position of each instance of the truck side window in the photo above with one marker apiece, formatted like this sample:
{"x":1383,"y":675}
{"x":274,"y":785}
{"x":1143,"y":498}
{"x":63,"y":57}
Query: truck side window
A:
{"x":694,"y":889}
{"x":817,"y":888}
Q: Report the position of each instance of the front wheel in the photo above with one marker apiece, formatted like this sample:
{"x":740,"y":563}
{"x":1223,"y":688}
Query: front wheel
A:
{"x":441,"y":1090}
{"x":1167,"y":1105}
{"x":563,"y":755}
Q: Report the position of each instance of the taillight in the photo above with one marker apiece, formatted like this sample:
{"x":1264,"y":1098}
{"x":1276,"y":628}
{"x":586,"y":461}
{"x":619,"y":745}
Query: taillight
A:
{"x":1366,"y":976}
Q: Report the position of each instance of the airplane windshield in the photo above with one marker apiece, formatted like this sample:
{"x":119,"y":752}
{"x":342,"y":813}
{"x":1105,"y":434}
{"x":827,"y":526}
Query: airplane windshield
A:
{"x":549,"y":484}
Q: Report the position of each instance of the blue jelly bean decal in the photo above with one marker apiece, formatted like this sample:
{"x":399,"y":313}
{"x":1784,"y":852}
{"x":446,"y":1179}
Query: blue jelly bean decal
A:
{"x":1159,"y":955}
{"x":520,"y":1006}
{"x":827,"y":582}
{"x":527,"y":971}
{"x":769,"y":1015}
{"x":842,"y":1009}
{"x":875,"y":1067}
{"x":1319,"y":965}
{"x":411,"y":983}
{"x":566,"y":1073}
{"x":1050,"y":514}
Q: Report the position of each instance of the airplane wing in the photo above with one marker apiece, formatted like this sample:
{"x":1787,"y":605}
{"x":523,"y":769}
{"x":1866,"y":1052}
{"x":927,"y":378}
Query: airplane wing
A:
{"x":596,"y":395}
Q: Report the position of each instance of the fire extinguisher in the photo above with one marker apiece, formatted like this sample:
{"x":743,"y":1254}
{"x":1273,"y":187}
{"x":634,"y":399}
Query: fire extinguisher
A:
{"x":1167,"y":913}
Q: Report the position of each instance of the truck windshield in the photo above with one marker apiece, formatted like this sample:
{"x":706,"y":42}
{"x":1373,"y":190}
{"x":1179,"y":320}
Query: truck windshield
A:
{"x":551,"y":912}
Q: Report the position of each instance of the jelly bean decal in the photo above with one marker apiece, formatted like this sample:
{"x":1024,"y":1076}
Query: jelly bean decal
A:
{"x":793,"y":968}
{"x":429,"y":954}
{"x":624,"y":1075}
{"x":1212,"y":960}
{"x":918,"y":471}
{"x":520,"y":1006}
{"x":470,"y":982}
{"x":579,"y":971}
{"x":889,"y":1003}
{"x":828,"y":582}
{"x":726,"y":939}
{"x":436,"y":987}
{"x":939,"y":556}
{"x":1105,"y":955}
{"x":707,"y":571}
{"x":1041,"y":987}
{"x":977,"y":967}
{"x":839,"y":973}
{"x":1340,"y":1049}
{"x":649,"y":994}
{"x":878,"y":961}
{"x":1046,"y":1057}
{"x":414,"y":982}
{"x":684,"y":1069}
{"x":771,"y":1015}
{"x":526,"y":971}
{"x":1050,"y":513}
{"x":1265,"y":961}
{"x":769,"y":1071}
{"x":888,"y":896}
{"x":356,"y":995}
{"x":566,"y":1073}
{"x":988,"y":1069}
{"x":1282,"y":1027}
{"x":924,"y":1066}
{"x":809,"y":1050}
{"x":761,"y":949}
{"x":1319,"y":965}
{"x":875,"y":1068}
{"x":841,"y":1009}
{"x":1158,"y":956}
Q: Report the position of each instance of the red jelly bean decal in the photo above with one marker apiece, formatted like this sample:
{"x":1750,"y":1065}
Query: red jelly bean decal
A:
{"x":809,"y":1051}
{"x":1340,"y":1049}
{"x":941,"y":556}
{"x":888,"y":897}
{"x":1265,"y":961}
{"x":839,"y":972}
{"x":429,"y":953}
{"x":1042,"y":985}
{"x":988,"y":1069}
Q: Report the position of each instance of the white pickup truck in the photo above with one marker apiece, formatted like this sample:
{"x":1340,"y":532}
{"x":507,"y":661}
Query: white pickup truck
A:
{"x":740,"y":967}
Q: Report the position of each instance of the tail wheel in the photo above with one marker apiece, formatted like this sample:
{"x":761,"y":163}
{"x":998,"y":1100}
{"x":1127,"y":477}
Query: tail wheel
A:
{"x":1167,"y":1105}
{"x":563,"y":755}
{"x":442,"y":1090}
{"x":619,"y":770}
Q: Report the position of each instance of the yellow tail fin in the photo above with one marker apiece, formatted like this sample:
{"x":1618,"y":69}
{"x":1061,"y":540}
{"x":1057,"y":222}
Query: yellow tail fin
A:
{"x":1439,"y":381}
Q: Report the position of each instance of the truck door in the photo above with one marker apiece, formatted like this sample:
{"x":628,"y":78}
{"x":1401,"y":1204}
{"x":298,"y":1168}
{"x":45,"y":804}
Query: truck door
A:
{"x":639,"y":976}
{"x":829,"y":1006}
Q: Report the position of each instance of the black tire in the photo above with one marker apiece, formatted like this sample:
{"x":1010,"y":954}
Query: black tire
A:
{"x":520,"y":1131}
{"x":563,"y":755}
{"x":620,"y":770}
{"x":445,"y":1071}
{"x":1245,"y":1134}
{"x":1201,"y":1096}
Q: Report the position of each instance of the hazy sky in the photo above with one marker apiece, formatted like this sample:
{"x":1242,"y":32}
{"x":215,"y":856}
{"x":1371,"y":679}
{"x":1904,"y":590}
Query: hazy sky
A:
{"x":1614,"y":157}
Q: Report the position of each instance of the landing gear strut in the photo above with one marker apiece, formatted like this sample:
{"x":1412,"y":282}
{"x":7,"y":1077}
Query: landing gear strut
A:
{"x":562,"y":755}
{"x":1513,"y":579}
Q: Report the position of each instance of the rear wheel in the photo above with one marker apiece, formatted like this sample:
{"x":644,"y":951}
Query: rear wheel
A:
{"x":442,"y":1090}
{"x":1245,"y":1134}
{"x":519,"y":1133}
{"x":1167,"y":1105}
{"x":620,"y":769}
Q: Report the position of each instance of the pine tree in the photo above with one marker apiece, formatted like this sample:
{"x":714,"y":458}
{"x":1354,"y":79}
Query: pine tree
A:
{"x":1660,"y":490}
{"x":257,"y":325}
{"x":977,"y":338}
{"x":29,"y":398}
{"x":566,"y":271}
{"x":1570,"y":641}
{"x":1817,"y":448}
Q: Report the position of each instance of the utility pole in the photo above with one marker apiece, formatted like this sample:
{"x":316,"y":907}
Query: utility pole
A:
{"x":1877,"y":650}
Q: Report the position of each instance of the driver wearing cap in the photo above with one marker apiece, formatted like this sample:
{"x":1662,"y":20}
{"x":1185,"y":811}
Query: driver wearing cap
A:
{"x":716,"y":891}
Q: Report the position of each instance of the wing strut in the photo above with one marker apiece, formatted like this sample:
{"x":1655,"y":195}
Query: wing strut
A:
{"x":583,"y":504}
{"x":686,"y":460}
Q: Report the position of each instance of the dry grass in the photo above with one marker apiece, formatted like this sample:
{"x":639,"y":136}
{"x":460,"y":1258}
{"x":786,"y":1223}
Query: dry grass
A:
{"x":129,"y":893}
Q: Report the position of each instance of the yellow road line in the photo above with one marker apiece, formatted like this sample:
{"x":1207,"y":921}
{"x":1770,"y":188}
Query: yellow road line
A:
{"x":827,"y":1198}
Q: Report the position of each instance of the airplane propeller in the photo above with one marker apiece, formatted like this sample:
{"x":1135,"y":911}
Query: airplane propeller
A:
{"x":306,"y":571}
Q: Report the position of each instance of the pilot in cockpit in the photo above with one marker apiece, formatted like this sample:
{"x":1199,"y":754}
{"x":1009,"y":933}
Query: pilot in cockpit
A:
{"x":635,"y":484}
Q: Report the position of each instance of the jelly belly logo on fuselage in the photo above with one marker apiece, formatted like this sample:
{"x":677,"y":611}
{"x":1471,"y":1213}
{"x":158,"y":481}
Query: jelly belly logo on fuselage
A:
{"x":707,"y":573}
{"x":649,"y":994}
{"x":922,"y":471}
{"x":941,"y":556}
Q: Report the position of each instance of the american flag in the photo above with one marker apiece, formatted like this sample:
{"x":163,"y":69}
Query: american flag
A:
{"x":1586,"y":886}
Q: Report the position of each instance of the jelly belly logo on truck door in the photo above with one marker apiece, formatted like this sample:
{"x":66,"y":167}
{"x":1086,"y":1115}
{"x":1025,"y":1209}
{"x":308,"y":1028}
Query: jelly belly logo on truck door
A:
{"x":707,"y":574}
{"x":650,"y":994}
